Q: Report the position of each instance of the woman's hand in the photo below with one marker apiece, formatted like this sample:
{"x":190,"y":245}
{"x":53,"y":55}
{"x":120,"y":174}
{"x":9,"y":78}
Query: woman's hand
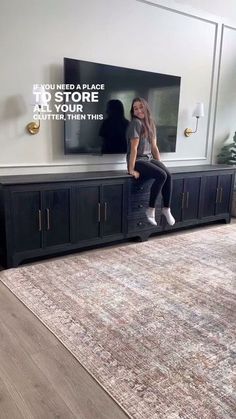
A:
{"x":134,"y":173}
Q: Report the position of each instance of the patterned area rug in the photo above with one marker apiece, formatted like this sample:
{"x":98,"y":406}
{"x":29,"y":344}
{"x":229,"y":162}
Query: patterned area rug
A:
{"x":153,"y":322}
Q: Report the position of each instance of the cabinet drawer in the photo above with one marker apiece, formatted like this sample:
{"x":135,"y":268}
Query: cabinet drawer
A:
{"x":139,"y":204}
{"x":138,"y":224}
{"x":141,"y":223}
{"x":138,"y":187}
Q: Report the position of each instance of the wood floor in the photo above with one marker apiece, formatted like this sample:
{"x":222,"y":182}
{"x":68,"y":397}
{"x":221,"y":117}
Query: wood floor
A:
{"x":39,"y":378}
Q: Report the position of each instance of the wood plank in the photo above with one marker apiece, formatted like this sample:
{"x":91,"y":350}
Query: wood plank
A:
{"x":8,"y":408}
{"x":41,"y":377}
{"x":32,"y":392}
{"x":79,"y":390}
{"x":20,"y":319}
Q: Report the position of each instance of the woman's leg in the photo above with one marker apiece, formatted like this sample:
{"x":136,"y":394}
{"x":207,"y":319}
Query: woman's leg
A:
{"x":149,"y":170}
{"x":166,"y":193}
{"x":156,"y":170}
{"x":167,"y":187}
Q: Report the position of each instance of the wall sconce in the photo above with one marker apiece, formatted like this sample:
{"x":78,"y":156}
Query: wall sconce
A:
{"x":39,"y":100}
{"x":198,"y":113}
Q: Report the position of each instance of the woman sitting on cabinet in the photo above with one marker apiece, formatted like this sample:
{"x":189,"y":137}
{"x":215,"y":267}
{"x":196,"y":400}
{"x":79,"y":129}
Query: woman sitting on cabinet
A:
{"x":143,"y":158}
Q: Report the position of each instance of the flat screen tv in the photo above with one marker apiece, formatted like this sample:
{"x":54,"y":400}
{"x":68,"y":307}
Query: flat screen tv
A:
{"x":100,"y":98}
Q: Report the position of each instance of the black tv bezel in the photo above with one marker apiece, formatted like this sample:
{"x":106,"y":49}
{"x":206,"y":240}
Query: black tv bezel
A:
{"x":117,"y":67}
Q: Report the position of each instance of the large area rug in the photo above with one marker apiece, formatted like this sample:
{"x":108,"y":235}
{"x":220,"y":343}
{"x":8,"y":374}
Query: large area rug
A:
{"x":153,"y":322}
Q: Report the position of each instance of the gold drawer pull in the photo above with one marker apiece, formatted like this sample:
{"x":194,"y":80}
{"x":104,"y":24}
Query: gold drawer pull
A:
{"x":48,"y":218}
{"x":99,"y":212}
{"x":40,"y":220}
{"x":187,"y":199}
{"x":221,"y":194}
{"x":105,"y":211}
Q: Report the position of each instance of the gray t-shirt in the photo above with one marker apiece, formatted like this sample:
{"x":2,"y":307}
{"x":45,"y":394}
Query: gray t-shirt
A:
{"x":144,"y":146}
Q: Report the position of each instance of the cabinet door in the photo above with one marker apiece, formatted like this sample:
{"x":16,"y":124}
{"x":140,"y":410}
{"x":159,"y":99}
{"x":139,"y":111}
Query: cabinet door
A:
{"x":209,"y":196}
{"x":56,"y":212}
{"x":185,"y":199}
{"x":112,"y":209}
{"x":191,"y":198}
{"x":88,"y":212}
{"x":177,"y":199}
{"x":27,"y":220}
{"x":223,"y":194}
{"x":216,"y":195}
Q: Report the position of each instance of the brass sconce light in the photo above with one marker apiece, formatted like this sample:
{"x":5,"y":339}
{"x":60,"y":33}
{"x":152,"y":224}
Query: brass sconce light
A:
{"x":198,"y":113}
{"x":33,"y":127}
{"x":39,"y":101}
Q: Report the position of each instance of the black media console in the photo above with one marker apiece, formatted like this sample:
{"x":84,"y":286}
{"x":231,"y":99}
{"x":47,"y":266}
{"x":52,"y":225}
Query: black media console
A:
{"x":52,"y":214}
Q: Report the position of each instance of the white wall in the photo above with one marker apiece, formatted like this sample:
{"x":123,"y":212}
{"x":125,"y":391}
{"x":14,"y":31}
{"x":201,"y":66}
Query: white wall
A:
{"x":178,"y":39}
{"x":225,"y":9}
{"x":225,"y":125}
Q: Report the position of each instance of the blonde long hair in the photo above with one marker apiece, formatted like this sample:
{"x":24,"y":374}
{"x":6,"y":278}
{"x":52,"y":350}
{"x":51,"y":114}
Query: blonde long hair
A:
{"x":148,"y":125}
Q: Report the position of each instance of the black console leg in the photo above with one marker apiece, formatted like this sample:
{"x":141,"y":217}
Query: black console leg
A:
{"x":144,"y":237}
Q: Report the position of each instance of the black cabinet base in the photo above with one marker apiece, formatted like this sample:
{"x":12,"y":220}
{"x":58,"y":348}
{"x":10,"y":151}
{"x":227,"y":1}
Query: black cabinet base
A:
{"x":45,"y":216}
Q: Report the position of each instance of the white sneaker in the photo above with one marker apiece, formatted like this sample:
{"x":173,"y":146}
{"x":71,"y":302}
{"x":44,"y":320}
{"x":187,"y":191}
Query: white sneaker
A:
{"x":150,"y":217}
{"x":169,"y":217}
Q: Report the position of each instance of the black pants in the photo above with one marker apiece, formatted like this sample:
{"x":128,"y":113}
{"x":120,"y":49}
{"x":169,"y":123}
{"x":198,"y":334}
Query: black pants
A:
{"x":154,"y":169}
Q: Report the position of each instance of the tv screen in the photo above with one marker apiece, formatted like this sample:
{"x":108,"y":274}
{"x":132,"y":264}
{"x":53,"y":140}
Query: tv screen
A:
{"x":99,"y":100}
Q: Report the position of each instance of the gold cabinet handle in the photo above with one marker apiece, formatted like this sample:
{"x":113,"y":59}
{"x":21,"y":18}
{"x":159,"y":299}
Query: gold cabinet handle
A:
{"x":221,"y":194}
{"x":182,"y":204}
{"x":40,"y":220}
{"x":99,"y":212}
{"x":187,"y":200}
{"x":48,"y":218}
{"x":105,"y":211}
